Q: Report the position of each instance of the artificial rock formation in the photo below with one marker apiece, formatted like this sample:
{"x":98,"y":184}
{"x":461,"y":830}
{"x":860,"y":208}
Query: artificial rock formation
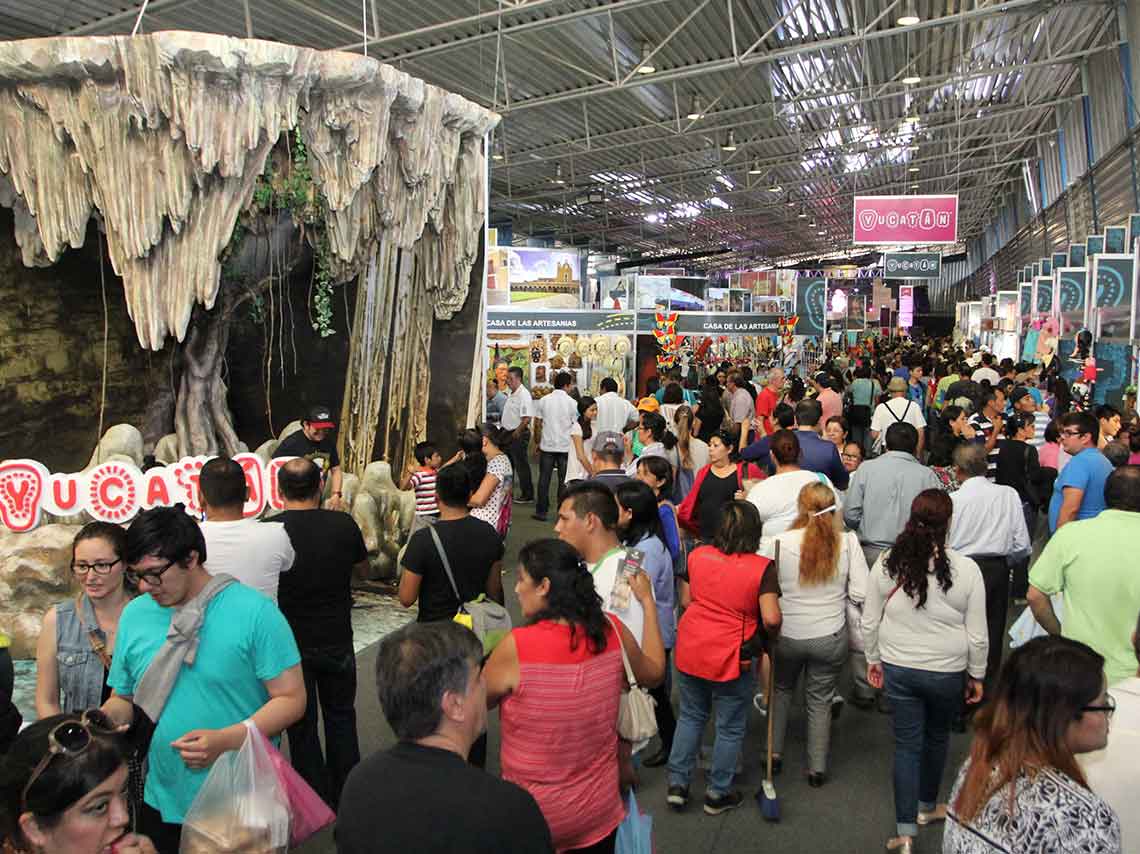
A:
{"x":163,"y":137}
{"x":35,"y":573}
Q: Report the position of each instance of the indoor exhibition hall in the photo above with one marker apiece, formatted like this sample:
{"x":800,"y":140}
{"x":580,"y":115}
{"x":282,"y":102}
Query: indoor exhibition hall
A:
{"x":569,"y":426}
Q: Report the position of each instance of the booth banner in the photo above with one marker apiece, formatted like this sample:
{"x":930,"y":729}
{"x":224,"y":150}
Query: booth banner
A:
{"x":906,"y":306}
{"x":811,"y":300}
{"x":906,"y":219}
{"x":696,"y":323}
{"x":1115,"y":240}
{"x":1072,"y":285}
{"x":1044,"y":290}
{"x":1115,"y":280}
{"x":1060,"y":259}
{"x":912,"y":265}
{"x":116,"y":491}
{"x":560,"y":321}
{"x":1025,"y":292}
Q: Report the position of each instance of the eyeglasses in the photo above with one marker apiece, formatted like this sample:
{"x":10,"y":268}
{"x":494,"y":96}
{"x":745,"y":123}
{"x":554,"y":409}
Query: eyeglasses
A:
{"x":849,"y":456}
{"x":153,"y":577}
{"x":99,"y":567}
{"x":69,"y":738}
{"x":1108,"y":707}
{"x":1072,"y":432}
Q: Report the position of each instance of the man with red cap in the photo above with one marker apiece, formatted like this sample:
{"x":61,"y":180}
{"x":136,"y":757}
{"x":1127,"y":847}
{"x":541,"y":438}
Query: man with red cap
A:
{"x":314,"y":441}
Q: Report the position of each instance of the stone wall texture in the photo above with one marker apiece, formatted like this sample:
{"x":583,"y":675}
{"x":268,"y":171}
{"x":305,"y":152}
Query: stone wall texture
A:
{"x":51,"y":355}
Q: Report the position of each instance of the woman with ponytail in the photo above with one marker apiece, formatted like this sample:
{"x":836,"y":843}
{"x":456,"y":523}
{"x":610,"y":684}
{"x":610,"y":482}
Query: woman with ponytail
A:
{"x":1022,"y":789}
{"x":557,"y":681}
{"x":924,"y":627}
{"x":689,"y":456}
{"x":819,"y":564}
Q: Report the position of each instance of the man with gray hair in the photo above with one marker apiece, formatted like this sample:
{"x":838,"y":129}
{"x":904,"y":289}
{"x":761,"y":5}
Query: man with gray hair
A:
{"x":988,"y":526}
{"x":421,"y":795}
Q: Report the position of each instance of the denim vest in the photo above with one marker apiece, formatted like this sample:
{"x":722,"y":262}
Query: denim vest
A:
{"x":81,"y":673}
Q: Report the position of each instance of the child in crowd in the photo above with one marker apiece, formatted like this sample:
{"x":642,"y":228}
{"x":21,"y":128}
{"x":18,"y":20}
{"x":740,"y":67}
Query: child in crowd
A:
{"x":421,"y":478}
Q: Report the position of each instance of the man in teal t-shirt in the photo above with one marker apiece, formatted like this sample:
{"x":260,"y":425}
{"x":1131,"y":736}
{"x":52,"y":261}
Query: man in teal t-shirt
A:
{"x":246,"y":666}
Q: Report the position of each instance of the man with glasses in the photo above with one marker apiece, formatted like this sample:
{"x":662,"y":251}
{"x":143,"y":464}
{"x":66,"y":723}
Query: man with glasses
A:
{"x":199,"y":655}
{"x":1078,"y":491}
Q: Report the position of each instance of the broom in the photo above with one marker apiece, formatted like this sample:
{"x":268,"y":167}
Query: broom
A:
{"x":766,"y":797}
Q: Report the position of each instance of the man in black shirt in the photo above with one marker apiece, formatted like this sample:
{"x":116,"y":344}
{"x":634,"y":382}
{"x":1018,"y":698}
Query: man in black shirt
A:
{"x":421,"y":795}
{"x":314,"y":441}
{"x":474,"y":551}
{"x":316,"y":598}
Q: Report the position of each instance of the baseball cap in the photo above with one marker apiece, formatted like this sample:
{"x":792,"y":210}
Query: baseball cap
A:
{"x":648,"y":404}
{"x":320,"y":418}
{"x":896,"y":384}
{"x":1018,"y":393}
{"x":609,"y":442}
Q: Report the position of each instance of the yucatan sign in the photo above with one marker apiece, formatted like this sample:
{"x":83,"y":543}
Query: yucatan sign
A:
{"x":912,"y":265}
{"x":906,"y":219}
{"x":116,"y":491}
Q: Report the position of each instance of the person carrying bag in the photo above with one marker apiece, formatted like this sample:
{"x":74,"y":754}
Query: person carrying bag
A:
{"x":487,"y":619}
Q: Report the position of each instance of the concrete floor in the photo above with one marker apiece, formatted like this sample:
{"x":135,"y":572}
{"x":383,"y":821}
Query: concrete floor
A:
{"x":853,"y":812}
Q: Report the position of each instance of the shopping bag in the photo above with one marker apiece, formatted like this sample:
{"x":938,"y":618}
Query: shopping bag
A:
{"x":242,"y":807}
{"x":635,"y":833}
{"x":1025,"y":628}
{"x":308,"y":812}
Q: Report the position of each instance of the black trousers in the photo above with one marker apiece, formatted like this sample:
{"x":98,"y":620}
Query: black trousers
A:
{"x":547,"y":462}
{"x":603,"y":846}
{"x":166,"y":837}
{"x":330,"y":681}
{"x":9,"y":715}
{"x":521,"y":463}
{"x":995,"y":575}
{"x":666,"y":719}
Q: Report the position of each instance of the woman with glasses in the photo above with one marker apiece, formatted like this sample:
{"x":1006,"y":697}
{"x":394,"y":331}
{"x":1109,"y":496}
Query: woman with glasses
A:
{"x":77,"y":640}
{"x":1022,"y":789}
{"x":63,"y":789}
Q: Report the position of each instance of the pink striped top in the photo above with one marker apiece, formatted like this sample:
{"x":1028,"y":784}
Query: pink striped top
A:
{"x":559,"y":732}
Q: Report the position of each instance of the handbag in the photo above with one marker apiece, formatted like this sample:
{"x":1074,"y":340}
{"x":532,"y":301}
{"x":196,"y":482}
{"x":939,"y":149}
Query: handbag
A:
{"x":487,"y":619}
{"x":637,"y":720}
{"x":758,"y":645}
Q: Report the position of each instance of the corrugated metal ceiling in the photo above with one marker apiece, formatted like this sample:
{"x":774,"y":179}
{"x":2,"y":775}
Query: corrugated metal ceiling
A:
{"x":812,"y":91}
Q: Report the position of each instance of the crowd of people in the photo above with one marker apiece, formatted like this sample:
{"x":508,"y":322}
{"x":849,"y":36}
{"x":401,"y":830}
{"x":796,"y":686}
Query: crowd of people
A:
{"x":865,"y":532}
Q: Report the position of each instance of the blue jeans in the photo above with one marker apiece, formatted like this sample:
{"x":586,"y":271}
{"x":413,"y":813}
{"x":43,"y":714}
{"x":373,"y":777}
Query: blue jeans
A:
{"x":697,"y":699}
{"x":923,"y":703}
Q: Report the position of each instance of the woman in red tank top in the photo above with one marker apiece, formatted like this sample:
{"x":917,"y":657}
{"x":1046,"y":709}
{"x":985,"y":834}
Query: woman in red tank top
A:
{"x":558,"y":682}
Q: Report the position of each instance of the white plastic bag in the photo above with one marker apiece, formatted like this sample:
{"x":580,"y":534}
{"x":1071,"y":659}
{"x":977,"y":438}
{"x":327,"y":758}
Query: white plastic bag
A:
{"x":241,"y":808}
{"x":1025,"y":628}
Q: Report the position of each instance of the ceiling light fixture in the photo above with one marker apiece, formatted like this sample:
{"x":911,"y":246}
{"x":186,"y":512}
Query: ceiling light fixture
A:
{"x":912,"y":79}
{"x":558,"y":175}
{"x":755,"y":168}
{"x":909,"y":16}
{"x":802,"y":214}
{"x":497,"y":150}
{"x":914,"y":169}
{"x":775,"y":188}
{"x":646,"y":66}
{"x":729,"y":142}
{"x":695,"y":111}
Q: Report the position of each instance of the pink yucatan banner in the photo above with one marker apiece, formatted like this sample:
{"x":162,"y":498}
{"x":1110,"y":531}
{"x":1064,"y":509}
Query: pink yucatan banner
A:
{"x":906,"y":219}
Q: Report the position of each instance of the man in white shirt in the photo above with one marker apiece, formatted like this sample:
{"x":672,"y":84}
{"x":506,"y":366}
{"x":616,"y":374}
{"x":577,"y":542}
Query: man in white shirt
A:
{"x":252,"y":552}
{"x":740,"y":407}
{"x":986,"y":371}
{"x":899,"y":408}
{"x":615,"y":413}
{"x":988,"y":525}
{"x":1113,"y":772}
{"x":517,"y":412}
{"x":587,"y":520}
{"x":555,"y":414}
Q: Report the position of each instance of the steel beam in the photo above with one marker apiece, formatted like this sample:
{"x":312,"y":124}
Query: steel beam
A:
{"x":127,"y":15}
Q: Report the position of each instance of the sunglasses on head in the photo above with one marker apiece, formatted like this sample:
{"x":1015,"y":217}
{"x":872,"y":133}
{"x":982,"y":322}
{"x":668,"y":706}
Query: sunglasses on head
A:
{"x":69,"y":738}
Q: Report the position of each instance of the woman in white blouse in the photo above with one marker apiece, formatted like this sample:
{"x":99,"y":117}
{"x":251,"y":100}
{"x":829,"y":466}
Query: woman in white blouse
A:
{"x":924,"y":627}
{"x":818,"y":564}
{"x":579,"y":465}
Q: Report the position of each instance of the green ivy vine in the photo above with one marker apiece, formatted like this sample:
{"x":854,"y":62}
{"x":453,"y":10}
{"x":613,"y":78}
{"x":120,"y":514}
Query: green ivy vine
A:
{"x":287,"y":185}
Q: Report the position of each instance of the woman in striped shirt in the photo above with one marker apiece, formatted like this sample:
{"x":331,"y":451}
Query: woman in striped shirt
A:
{"x":558,"y":682}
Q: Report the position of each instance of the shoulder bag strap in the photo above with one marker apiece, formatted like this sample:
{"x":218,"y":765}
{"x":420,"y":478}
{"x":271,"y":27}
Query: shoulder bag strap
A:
{"x":630,"y":678}
{"x":446,"y":563}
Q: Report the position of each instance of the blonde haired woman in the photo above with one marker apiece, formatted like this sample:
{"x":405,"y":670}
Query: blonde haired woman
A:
{"x":818,"y":564}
